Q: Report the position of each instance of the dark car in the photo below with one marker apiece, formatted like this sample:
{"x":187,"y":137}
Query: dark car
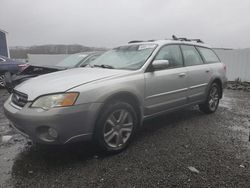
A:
{"x":72,"y":61}
{"x":11,"y":66}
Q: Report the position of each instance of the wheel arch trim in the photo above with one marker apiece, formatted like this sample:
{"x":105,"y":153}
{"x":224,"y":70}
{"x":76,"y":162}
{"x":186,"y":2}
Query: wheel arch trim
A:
{"x":215,"y":80}
{"x":121,"y":95}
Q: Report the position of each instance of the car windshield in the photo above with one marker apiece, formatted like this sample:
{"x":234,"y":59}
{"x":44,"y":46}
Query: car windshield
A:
{"x":130,"y":57}
{"x":72,"y":60}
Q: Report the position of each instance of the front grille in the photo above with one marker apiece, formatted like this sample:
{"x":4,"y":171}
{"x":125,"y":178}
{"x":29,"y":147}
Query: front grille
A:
{"x":19,"y":99}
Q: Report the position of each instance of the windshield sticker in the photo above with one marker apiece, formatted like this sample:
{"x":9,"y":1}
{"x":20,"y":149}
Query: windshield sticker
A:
{"x":146,"y":46}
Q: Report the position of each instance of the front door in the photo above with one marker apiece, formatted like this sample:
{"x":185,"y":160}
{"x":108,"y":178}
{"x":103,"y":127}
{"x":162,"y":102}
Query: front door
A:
{"x":166,"y":89}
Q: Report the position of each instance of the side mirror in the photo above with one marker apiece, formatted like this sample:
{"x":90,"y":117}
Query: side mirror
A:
{"x":160,"y":64}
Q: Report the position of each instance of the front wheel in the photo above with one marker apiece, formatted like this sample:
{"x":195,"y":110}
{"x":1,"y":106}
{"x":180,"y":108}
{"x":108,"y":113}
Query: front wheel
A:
{"x":116,"y":126}
{"x":213,"y":99}
{"x":1,"y":81}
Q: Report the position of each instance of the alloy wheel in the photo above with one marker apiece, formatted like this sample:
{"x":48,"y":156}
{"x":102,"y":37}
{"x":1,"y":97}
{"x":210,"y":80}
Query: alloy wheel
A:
{"x":1,"y":80}
{"x":118,"y":128}
{"x":213,"y":98}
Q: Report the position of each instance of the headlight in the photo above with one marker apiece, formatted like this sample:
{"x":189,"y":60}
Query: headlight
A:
{"x":55,"y":100}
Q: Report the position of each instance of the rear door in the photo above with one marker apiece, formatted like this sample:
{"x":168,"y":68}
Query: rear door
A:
{"x":166,"y":89}
{"x":199,"y":74}
{"x":216,"y":66}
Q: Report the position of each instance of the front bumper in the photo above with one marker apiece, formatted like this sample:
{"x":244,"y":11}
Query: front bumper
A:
{"x":74,"y":123}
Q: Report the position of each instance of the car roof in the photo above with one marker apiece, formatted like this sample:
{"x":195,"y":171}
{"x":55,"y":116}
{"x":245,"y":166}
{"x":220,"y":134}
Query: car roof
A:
{"x":89,"y":53}
{"x":169,"y":41}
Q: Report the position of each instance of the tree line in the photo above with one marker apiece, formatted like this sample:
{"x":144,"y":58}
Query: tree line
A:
{"x":20,"y":52}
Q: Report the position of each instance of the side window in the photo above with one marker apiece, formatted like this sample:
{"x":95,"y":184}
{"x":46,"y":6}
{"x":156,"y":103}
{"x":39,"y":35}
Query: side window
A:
{"x":191,"y":55}
{"x":209,"y":55}
{"x":172,"y":53}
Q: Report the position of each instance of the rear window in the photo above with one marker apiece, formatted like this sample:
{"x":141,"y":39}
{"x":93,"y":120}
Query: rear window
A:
{"x":72,"y":60}
{"x":191,"y":55}
{"x":208,"y":55}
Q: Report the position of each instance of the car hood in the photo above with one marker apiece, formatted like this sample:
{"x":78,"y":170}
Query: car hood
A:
{"x":40,"y":69}
{"x":64,"y":80}
{"x":33,"y":71}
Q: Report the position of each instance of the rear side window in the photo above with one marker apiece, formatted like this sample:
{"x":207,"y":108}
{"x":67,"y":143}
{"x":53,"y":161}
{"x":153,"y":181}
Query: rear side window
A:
{"x":172,"y":53}
{"x":191,"y":55}
{"x":208,"y":55}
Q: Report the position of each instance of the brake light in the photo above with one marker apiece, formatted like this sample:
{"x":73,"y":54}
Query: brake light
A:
{"x":224,"y":66}
{"x":23,"y":66}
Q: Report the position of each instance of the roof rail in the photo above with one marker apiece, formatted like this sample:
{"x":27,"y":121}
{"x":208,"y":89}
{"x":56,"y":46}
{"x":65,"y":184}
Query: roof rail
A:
{"x":186,"y":39}
{"x":152,"y":40}
{"x":135,"y":41}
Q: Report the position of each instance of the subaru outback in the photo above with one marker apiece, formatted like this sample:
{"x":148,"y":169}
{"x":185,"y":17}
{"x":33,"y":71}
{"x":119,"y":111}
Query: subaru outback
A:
{"x":108,"y":100}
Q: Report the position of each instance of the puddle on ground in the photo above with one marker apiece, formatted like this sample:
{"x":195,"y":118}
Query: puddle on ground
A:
{"x":240,"y":129}
{"x":10,"y":145}
{"x":7,"y":157}
{"x":242,"y":125}
{"x":227,"y":102}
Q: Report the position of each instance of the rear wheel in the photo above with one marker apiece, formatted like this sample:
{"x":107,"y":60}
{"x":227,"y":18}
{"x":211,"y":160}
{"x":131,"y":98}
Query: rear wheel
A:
{"x":1,"y":80}
{"x":116,"y":126}
{"x":213,"y":99}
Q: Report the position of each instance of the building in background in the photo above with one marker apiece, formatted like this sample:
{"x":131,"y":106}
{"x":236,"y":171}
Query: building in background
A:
{"x":45,"y":59}
{"x":4,"y":50}
{"x":237,"y":62}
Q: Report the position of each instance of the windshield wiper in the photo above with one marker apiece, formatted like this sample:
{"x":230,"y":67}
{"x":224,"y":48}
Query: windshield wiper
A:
{"x":86,"y":65}
{"x":104,"y":66}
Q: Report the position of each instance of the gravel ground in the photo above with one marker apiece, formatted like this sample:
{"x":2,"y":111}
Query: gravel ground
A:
{"x":182,"y":149}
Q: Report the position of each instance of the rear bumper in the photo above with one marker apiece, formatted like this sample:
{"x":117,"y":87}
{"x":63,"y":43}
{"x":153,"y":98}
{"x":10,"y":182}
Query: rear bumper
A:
{"x":11,"y":81}
{"x":8,"y":82}
{"x":75,"y":123}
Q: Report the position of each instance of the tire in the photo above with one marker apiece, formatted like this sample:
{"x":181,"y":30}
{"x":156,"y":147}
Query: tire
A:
{"x":213,"y":98}
{"x":115,"y":127}
{"x":1,"y":80}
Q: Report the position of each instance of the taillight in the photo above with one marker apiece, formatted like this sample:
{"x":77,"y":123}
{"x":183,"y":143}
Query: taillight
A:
{"x":224,"y":66}
{"x":23,"y":66}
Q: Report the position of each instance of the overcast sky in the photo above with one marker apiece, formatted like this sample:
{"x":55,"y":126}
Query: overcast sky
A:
{"x":107,"y":23}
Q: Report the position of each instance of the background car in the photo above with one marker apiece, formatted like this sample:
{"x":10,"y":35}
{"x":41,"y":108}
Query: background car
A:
{"x":11,"y":66}
{"x":72,"y":61}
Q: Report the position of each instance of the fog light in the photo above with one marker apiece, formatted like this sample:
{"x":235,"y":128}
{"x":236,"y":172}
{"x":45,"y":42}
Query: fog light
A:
{"x":47,"y":134}
{"x":53,"y":133}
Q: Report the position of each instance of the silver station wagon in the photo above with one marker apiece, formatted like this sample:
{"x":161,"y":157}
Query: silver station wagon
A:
{"x":108,"y":100}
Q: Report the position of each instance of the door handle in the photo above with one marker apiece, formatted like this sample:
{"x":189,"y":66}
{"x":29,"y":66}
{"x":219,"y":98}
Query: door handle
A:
{"x":182,"y":74}
{"x":207,"y":71}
